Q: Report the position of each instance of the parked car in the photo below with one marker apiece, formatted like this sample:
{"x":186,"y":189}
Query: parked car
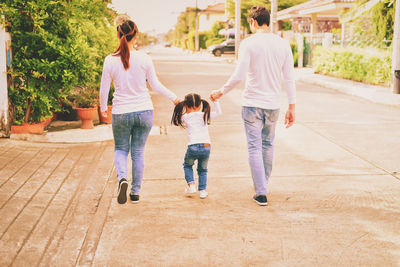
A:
{"x":226,"y":47}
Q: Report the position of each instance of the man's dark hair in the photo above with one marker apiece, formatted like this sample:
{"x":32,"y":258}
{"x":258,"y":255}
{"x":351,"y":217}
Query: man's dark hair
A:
{"x":260,"y":14}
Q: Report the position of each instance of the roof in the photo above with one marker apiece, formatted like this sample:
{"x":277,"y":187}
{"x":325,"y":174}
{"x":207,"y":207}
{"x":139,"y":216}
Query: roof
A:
{"x":217,"y":8}
{"x":323,"y":8}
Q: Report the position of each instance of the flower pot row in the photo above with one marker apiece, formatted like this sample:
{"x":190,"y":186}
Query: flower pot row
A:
{"x":87,"y":115}
{"x":32,"y":128}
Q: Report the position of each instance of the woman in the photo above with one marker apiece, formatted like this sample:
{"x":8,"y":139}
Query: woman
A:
{"x":132,"y":111}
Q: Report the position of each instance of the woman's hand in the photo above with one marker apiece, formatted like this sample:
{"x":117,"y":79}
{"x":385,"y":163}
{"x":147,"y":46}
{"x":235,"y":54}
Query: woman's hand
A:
{"x":215,"y":95}
{"x":104,"y":114}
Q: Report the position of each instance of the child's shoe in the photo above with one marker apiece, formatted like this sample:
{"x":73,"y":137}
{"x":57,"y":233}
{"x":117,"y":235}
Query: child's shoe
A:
{"x":203,"y":193}
{"x":190,"y":189}
{"x":134,"y":198}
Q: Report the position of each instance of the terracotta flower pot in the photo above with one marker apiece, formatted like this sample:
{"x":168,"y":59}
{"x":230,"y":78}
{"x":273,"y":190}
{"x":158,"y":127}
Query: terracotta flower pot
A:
{"x":19,"y":129}
{"x":28,"y":128}
{"x":47,"y":121}
{"x":87,"y":115}
{"x":107,"y":120}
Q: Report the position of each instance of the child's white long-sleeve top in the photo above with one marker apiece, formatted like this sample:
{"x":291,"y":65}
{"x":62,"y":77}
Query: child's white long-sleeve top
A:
{"x":196,"y":128}
{"x":131,"y":93}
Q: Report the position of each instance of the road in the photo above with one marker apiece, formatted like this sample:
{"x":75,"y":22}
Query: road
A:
{"x":334,"y":193}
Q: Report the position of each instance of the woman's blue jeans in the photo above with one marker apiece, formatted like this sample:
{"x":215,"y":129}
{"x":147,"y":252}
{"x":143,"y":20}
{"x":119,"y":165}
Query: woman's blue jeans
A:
{"x":201,"y":153}
{"x":130,"y":133}
{"x":260,"y":125}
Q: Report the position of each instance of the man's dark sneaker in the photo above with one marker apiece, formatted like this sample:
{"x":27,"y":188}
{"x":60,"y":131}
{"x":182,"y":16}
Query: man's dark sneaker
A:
{"x":261,"y":200}
{"x":122,"y":187}
{"x":134,"y":198}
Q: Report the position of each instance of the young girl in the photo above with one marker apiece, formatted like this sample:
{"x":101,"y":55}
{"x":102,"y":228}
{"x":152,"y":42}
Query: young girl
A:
{"x":194,"y":114}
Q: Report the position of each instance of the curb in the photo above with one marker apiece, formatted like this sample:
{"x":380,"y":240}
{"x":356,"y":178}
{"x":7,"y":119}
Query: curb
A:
{"x":373,"y":93}
{"x":97,"y":134}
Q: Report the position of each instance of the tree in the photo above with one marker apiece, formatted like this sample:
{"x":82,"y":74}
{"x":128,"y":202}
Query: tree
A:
{"x":186,"y":22}
{"x":372,"y":27}
{"x":56,"y":45}
{"x":246,"y":5}
{"x":383,"y":19}
{"x":39,"y":33}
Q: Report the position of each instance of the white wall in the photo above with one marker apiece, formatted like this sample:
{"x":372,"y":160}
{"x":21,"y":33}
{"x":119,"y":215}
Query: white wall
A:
{"x":206,"y":21}
{"x":4,"y":38}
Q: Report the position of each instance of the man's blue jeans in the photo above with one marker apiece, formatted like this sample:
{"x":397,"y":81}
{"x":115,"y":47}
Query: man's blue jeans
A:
{"x":201,"y":153}
{"x":130,"y":133}
{"x":260,"y":125}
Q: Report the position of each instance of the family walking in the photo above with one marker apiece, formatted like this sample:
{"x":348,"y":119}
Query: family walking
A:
{"x":263,"y":58}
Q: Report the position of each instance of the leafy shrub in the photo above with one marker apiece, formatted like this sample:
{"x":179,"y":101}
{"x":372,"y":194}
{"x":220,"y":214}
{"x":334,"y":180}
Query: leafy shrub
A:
{"x":56,"y":46}
{"x":213,"y":36}
{"x":85,"y":97}
{"x":202,"y":40}
{"x":207,"y":38}
{"x":363,"y":65}
{"x":295,"y":53}
{"x":216,"y":40}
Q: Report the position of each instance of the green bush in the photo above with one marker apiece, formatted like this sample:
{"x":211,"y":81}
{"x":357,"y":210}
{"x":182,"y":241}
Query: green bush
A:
{"x":56,"y":45}
{"x":295,"y":53}
{"x":362,"y":65}
{"x":215,"y":40}
{"x":213,"y":36}
{"x":202,"y":40}
{"x":206,"y":38}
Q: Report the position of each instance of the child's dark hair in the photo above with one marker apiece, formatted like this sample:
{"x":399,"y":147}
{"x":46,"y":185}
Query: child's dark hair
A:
{"x":190,"y":101}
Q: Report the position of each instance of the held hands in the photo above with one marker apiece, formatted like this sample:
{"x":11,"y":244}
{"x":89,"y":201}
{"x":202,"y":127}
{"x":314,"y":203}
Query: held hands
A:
{"x":290,"y":117}
{"x":215,"y":95}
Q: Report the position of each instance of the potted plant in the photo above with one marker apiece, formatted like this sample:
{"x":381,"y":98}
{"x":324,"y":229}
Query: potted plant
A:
{"x":31,"y":111}
{"x":103,"y":119}
{"x":85,"y":101}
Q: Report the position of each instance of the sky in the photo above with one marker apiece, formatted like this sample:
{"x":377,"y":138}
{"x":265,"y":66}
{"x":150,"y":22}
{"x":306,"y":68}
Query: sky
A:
{"x":156,"y":16}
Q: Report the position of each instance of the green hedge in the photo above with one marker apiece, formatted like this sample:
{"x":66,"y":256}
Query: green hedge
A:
{"x":202,"y":40}
{"x":362,"y":65}
{"x":56,"y":45}
{"x":295,"y":53}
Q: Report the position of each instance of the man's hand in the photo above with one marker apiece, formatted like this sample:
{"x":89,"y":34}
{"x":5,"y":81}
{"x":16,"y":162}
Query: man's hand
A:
{"x":290,"y":117}
{"x":104,"y":114}
{"x":215,"y":95}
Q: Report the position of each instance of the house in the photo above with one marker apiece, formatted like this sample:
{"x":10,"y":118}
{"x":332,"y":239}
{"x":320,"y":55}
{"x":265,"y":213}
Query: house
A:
{"x":315,"y":16}
{"x":211,"y":14}
{"x":314,"y":20}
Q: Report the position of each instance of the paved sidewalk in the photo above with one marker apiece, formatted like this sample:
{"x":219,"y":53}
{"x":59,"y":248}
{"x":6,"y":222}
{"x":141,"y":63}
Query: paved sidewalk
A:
{"x":334,"y":194}
{"x":52,"y":197}
{"x":374,"y":93}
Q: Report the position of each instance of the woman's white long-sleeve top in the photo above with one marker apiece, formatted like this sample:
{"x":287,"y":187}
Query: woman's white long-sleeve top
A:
{"x":131,"y":93}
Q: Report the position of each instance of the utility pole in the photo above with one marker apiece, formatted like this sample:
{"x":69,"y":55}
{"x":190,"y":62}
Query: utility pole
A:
{"x":274,"y":14}
{"x":396,"y":51}
{"x":237,"y":27}
{"x":196,"y":38}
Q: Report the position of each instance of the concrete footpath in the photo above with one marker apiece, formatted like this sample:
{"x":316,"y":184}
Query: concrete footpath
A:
{"x":334,"y":194}
{"x":373,"y":93}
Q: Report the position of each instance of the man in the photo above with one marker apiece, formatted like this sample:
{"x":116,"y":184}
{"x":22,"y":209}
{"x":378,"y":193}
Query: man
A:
{"x":263,"y":57}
